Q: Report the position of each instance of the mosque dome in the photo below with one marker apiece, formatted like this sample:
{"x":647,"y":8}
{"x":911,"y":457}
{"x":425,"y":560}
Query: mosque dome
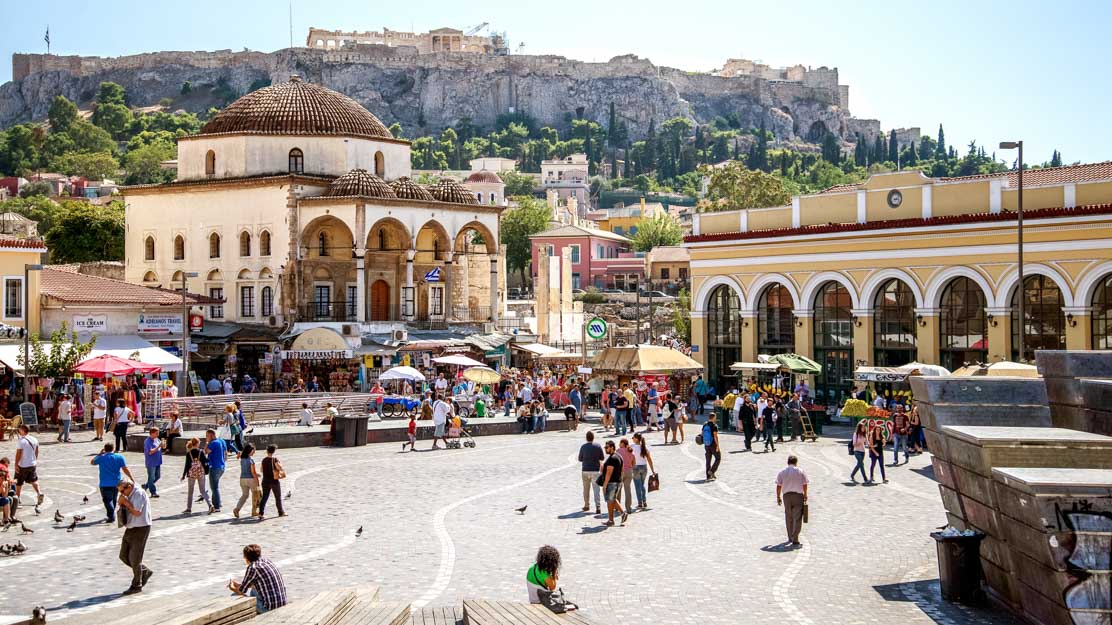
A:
{"x":297,"y":108}
{"x":447,"y":190}
{"x":359,"y":183}
{"x":484,"y":175}
{"x":408,"y":190}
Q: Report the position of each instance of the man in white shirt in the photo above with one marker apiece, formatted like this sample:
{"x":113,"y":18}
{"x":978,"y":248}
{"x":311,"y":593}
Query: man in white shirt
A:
{"x":65,"y":418}
{"x":791,"y":492}
{"x":138,"y":506}
{"x":228,"y":385}
{"x":306,"y":415}
{"x":26,"y":463}
{"x":100,"y":411}
{"x":441,"y":384}
{"x":441,"y":411}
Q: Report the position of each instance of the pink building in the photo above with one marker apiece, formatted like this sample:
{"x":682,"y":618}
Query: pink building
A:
{"x":593,"y":251}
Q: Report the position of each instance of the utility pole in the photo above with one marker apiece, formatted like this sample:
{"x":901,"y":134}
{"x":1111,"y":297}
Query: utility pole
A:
{"x":291,"y":23}
{"x":1009,"y":145}
{"x":185,"y":333}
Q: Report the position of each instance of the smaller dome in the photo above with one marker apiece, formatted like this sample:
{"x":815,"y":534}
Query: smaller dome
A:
{"x":447,"y":190}
{"x":359,"y":183}
{"x":484,"y":175}
{"x":408,"y":190}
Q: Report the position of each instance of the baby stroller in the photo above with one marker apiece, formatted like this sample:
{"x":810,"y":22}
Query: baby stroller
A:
{"x":459,"y":436}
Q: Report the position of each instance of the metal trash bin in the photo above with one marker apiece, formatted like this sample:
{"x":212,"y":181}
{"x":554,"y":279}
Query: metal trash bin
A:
{"x":959,"y":567}
{"x":351,"y":431}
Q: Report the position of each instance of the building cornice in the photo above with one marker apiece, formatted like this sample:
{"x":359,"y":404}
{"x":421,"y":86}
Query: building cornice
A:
{"x":242,"y":182}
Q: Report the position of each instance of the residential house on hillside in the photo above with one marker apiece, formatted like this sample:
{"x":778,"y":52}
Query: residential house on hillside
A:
{"x":598,"y":258}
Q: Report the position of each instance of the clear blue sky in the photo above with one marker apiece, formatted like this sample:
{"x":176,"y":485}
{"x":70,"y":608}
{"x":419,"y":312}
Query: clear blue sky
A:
{"x":988,"y":71}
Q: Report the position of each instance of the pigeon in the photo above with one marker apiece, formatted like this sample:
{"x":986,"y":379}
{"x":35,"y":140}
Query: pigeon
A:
{"x":37,"y":511}
{"x":72,"y":526}
{"x":38,"y":615}
{"x":289,"y":494}
{"x":521,"y":510}
{"x":249,"y":430}
{"x":79,"y":517}
{"x":26,"y":530}
{"x":19,"y":547}
{"x":359,"y":532}
{"x":5,"y":550}
{"x":58,"y":518}
{"x":85,"y":499}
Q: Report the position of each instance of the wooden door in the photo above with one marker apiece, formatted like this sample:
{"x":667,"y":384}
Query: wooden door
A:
{"x":380,"y":301}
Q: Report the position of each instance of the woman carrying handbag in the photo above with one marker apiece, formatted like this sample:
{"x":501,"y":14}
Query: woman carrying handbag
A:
{"x":273,"y":474}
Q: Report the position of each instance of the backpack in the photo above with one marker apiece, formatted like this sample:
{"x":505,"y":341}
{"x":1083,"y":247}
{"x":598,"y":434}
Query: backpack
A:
{"x":196,"y":469}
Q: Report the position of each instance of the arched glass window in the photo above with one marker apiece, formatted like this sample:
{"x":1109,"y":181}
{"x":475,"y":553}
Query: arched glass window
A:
{"x":894,"y":325}
{"x":266,"y":301}
{"x":322,"y":244}
{"x":297,"y":161}
{"x":179,"y":247}
{"x":775,"y":324}
{"x":150,"y":276}
{"x":210,"y":163}
{"x":244,"y":243}
{"x":214,"y":245}
{"x":963,"y":338}
{"x":264,"y":243}
{"x":1045,"y":326}
{"x":148,"y":248}
{"x":1102,"y":314}
{"x":380,"y":165}
{"x":723,"y":335}
{"x":833,"y":336}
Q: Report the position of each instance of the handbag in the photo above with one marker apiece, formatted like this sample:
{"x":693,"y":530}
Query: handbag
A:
{"x":806,"y":513}
{"x":555,"y":601}
{"x":223,"y":433}
{"x":279,"y":472}
{"x":121,"y":516}
{"x":850,"y":446}
{"x":654,"y":482}
{"x":698,"y":439}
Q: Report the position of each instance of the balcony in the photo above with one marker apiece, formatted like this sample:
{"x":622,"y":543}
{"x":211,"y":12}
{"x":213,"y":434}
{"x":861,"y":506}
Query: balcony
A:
{"x":328,"y":311}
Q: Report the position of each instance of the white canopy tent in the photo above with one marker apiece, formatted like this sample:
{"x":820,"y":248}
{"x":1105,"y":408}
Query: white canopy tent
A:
{"x":124,"y":346}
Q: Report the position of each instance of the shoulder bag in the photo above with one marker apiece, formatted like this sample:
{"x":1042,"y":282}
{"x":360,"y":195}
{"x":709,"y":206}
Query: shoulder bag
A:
{"x":555,"y":601}
{"x":654,"y":482}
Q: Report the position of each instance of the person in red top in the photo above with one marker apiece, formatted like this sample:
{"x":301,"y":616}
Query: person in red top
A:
{"x":412,"y":431}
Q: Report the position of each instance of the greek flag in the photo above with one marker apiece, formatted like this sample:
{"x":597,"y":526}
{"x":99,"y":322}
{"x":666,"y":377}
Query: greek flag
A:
{"x":433,"y":275}
{"x":46,"y":37}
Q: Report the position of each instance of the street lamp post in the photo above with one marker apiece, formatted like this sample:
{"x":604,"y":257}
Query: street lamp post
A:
{"x":1011,"y":145}
{"x":185,"y":333}
{"x":27,"y":269}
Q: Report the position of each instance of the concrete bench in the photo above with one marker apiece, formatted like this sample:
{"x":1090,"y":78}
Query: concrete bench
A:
{"x":476,"y":612}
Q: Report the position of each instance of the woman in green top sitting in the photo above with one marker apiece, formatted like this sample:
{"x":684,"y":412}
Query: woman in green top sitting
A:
{"x":544,"y":574}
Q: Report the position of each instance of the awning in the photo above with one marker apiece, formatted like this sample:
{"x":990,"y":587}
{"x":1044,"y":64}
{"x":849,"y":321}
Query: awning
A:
{"x":643,"y":359}
{"x":796,"y":363}
{"x":755,"y":366}
{"x":538,"y":349}
{"x":9,"y":357}
{"x":880,"y":374}
{"x":135,"y":348}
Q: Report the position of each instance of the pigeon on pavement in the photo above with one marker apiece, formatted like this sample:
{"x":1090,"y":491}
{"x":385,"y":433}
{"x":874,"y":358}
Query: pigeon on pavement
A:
{"x":521,"y":510}
{"x":72,"y":526}
{"x":85,"y":499}
{"x":58,"y":518}
{"x":26,"y":530}
{"x":359,"y":532}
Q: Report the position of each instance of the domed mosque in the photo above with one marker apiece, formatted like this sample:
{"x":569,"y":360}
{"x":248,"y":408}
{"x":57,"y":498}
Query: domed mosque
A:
{"x":294,"y":204}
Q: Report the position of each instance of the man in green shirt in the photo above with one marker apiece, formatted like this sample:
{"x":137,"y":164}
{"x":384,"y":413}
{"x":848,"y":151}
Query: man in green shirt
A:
{"x":480,"y":408}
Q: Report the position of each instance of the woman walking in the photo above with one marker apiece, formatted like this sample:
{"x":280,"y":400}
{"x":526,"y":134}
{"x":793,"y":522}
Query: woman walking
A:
{"x":643,"y":464}
{"x":248,"y":481}
{"x":273,"y":474}
{"x":231,"y":422}
{"x":916,"y":430}
{"x":119,"y":430}
{"x":858,"y":444}
{"x":196,"y":467}
{"x":876,"y":450}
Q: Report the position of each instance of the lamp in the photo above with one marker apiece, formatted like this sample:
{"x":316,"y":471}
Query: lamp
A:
{"x":922,"y":322}
{"x":992,"y":321}
{"x":185,"y":332}
{"x":27,"y":269}
{"x":745,"y":323}
{"x":1012,"y":145}
{"x":799,"y":323}
{"x":1070,"y":320}
{"x":856,"y":321}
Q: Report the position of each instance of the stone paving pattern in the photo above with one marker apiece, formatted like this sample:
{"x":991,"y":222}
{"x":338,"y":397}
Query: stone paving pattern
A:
{"x":440,"y":527}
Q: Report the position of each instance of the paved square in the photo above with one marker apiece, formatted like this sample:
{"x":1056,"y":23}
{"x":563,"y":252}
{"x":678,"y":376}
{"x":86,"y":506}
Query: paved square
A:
{"x":441,"y":526}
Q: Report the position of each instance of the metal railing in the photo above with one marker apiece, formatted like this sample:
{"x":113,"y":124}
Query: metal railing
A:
{"x":328,"y":311}
{"x":261,"y":409}
{"x":473,"y":314}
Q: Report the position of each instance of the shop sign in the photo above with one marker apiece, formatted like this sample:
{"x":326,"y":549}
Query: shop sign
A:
{"x":196,"y":322}
{"x":319,"y":339}
{"x":159,"y":323}
{"x":268,"y":358}
{"x":90,"y":323}
{"x":319,"y":354}
{"x":596,"y":328}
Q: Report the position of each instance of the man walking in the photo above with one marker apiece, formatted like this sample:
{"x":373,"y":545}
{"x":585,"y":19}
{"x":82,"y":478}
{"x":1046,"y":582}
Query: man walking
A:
{"x":138,"y":525}
{"x":152,"y":459}
{"x":611,"y":484}
{"x":27,"y":463}
{"x":217,"y":455}
{"x":701,"y":392}
{"x":791,"y":492}
{"x":711,"y":449}
{"x":795,"y":413}
{"x":441,"y":411}
{"x":112,"y":468}
{"x":747,"y":415}
{"x":899,"y":435}
{"x":590,"y":454}
{"x":65,"y":418}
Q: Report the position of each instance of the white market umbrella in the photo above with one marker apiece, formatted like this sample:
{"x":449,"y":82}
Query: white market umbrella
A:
{"x":459,"y":360}
{"x":402,"y":373}
{"x":923,"y":369}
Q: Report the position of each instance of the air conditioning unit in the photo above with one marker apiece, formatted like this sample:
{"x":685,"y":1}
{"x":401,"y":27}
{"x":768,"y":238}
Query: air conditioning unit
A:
{"x":350,"y":330}
{"x":272,"y":321}
{"x":400,"y":335}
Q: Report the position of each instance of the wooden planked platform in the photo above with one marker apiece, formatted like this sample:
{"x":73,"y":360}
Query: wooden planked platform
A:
{"x":437,"y":616}
{"x":228,"y":610}
{"x":367,"y":613}
{"x":477,"y":612}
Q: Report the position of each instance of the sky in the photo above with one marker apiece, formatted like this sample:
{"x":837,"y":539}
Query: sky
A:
{"x":988,"y":71}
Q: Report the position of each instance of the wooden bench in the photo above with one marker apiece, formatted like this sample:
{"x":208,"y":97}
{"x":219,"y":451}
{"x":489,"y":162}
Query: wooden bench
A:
{"x":350,"y":606}
{"x":367,"y":613}
{"x":444,"y":615}
{"x":227,"y":610}
{"x":477,"y":612}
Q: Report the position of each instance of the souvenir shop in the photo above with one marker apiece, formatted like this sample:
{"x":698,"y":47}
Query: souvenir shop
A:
{"x":324,"y":354}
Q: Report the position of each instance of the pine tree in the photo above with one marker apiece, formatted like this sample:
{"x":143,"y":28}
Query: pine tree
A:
{"x":924,"y":148}
{"x":737,"y":150}
{"x":612,"y":128}
{"x":1056,"y":159}
{"x":751,"y":161}
{"x":912,"y":158}
{"x":940,"y":149}
{"x":859,"y":151}
{"x":893,"y":147}
{"x":878,"y":149}
{"x":762,"y":149}
{"x":650,"y":147}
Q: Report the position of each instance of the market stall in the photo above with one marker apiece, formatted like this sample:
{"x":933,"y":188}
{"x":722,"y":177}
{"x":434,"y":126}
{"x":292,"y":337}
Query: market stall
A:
{"x":647,"y":364}
{"x":324,"y":354}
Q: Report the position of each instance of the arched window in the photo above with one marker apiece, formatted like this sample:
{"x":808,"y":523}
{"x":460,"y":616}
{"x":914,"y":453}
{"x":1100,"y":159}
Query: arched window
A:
{"x":894,"y":325}
{"x":491,"y":198}
{"x":148,"y":248}
{"x":150,"y":276}
{"x":297,"y":161}
{"x":962,"y":336}
{"x":1045,"y":324}
{"x":382,"y":238}
{"x":214,"y":245}
{"x":244,"y":243}
{"x":179,"y":247}
{"x":775,"y":325}
{"x":266,"y":301}
{"x":177,"y":277}
{"x":723,"y":335}
{"x":322,"y":244}
{"x":1102,"y":314}
{"x":264,"y":243}
{"x":210,"y":163}
{"x":380,"y":165}
{"x":833,"y":310}
{"x":479,"y":196}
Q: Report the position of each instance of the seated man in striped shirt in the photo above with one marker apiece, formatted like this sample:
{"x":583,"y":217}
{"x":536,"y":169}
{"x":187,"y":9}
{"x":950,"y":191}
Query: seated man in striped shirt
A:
{"x":262,"y":580}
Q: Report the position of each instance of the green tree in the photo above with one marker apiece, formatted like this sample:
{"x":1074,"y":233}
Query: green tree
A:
{"x":58,"y":357}
{"x":19,"y":151}
{"x":143,"y":164}
{"x":940,"y":146}
{"x":661,"y":230}
{"x":831,"y":148}
{"x":733,"y":187}
{"x":82,"y":232}
{"x":517,"y":184}
{"x":681,"y":316}
{"x":893,"y":147}
{"x":650,"y":163}
{"x":396,"y":130}
{"x":36,"y":189}
{"x":1055,"y":159}
{"x":113,"y":118}
{"x":88,"y":165}
{"x":111,"y":93}
{"x":89,"y":138}
{"x":449,"y":143}
{"x":518,"y":224}
{"x":62,"y":113}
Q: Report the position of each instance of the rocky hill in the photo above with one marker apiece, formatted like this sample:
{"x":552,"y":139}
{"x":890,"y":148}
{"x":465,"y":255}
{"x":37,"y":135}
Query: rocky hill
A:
{"x":432,"y":91}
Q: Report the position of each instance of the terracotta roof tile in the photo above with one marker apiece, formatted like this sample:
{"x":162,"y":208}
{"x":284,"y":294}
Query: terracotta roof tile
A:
{"x":359,"y":183}
{"x":29,"y":244}
{"x":1031,"y":177}
{"x":447,"y":190}
{"x":72,"y":287}
{"x":484,"y":175}
{"x":406,"y":189}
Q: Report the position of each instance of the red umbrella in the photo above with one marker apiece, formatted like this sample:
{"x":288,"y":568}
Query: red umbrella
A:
{"x":107,"y":364}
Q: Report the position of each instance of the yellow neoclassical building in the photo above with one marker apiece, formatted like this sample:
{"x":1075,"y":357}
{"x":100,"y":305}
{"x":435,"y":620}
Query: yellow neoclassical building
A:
{"x":903,"y":267}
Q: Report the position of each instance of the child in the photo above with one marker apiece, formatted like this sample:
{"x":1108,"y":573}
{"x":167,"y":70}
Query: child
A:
{"x":6,"y":493}
{"x":412,"y":432}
